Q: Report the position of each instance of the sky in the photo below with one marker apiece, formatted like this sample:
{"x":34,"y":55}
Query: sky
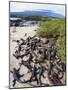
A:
{"x":18,"y":7}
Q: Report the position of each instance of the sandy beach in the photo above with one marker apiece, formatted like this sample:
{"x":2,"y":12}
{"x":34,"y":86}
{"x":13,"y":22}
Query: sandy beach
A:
{"x":16,"y":33}
{"x":20,"y":32}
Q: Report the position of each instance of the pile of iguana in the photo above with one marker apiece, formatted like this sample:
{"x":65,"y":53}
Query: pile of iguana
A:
{"x":41,"y":57}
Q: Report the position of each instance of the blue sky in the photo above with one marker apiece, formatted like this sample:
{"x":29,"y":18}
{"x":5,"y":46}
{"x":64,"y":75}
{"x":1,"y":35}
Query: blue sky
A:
{"x":17,"y":7}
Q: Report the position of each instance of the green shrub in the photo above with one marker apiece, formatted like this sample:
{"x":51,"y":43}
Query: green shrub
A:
{"x":50,"y":28}
{"x":60,"y":43}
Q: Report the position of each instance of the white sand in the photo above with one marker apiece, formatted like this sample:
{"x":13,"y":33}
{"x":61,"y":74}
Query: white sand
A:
{"x":20,"y":32}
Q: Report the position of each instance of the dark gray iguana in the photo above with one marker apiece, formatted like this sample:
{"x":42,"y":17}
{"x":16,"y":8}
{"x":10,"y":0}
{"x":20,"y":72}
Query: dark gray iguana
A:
{"x":16,"y":76}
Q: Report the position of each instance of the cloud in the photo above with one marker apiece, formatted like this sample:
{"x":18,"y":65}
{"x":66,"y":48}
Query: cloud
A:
{"x":58,"y":9}
{"x":15,"y":6}
{"x":18,"y":6}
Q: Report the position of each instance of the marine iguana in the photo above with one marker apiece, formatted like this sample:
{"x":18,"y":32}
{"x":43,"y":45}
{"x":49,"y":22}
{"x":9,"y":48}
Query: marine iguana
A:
{"x":16,"y":76}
